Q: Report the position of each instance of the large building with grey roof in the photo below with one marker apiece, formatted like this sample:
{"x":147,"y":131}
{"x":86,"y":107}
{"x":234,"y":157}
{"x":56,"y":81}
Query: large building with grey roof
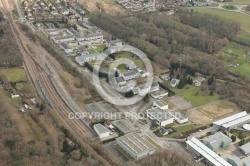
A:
{"x":136,"y":146}
{"x":178,"y":116}
{"x":245,"y":149}
{"x":217,"y":141}
{"x":161,"y":117}
{"x":101,"y":131}
{"x":233,"y":121}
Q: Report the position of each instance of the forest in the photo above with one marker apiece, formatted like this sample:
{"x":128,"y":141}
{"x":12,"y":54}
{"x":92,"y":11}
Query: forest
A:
{"x":9,"y":54}
{"x":188,"y":38}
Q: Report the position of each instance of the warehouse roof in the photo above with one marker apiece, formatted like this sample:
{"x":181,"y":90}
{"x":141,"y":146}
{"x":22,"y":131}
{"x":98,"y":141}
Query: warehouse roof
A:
{"x":216,"y":139}
{"x":230,"y":118}
{"x":159,"y":114}
{"x":207,"y":153}
{"x":135,"y":144}
{"x":100,"y":129}
{"x":246,"y":148}
{"x":236,"y":121}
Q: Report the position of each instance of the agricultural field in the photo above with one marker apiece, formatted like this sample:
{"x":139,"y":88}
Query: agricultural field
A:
{"x":195,"y":95}
{"x":211,"y":112}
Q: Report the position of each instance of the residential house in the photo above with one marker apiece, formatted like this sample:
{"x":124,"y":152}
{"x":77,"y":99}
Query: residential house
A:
{"x":198,"y":81}
{"x":174,"y":82}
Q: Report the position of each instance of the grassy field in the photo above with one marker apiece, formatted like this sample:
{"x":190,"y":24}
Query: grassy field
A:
{"x":181,"y":129}
{"x":15,"y":74}
{"x":230,"y":7}
{"x":124,"y":55}
{"x":240,"y":2}
{"x":195,"y":95}
{"x":244,"y":20}
{"x":99,"y":48}
{"x":238,"y":50}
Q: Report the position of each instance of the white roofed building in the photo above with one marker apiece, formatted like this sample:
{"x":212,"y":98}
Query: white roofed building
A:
{"x":245,"y":149}
{"x":101,"y":131}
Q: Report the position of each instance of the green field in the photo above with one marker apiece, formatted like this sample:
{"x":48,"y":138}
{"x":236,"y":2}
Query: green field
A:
{"x":181,"y":129}
{"x":124,"y":55}
{"x":240,"y":2}
{"x":230,"y":7}
{"x":99,"y":48}
{"x":238,"y":50}
{"x":243,"y":19}
{"x":15,"y":74}
{"x":195,"y":95}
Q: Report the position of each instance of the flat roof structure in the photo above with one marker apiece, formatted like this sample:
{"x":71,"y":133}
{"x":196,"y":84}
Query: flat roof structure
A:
{"x":246,"y":161}
{"x":159,"y":114}
{"x":160,"y":103}
{"x":207,"y":153}
{"x":135,"y":145}
{"x":245,"y":148}
{"x":215,"y":140}
{"x":177,"y":115}
{"x":236,"y":121}
{"x":230,"y":118}
{"x":100,"y":129}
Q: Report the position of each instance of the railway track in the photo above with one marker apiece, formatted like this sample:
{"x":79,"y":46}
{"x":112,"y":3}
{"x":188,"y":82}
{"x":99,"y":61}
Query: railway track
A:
{"x":38,"y":74}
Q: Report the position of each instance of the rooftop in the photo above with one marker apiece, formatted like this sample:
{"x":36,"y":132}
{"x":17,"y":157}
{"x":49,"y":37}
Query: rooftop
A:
{"x":230,"y":118}
{"x":246,"y":161}
{"x":100,"y":129}
{"x":177,"y":115}
{"x":135,"y":143}
{"x":207,"y":153}
{"x":246,"y":148}
{"x":130,"y":72}
{"x":159,"y":114}
{"x":160,"y":103}
{"x":216,"y":139}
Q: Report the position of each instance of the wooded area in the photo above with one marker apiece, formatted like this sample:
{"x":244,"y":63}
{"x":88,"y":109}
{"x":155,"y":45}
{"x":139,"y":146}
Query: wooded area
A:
{"x":9,"y":54}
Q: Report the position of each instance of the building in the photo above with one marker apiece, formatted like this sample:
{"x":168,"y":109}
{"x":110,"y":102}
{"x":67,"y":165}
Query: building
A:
{"x":135,"y":146}
{"x":236,"y":161}
{"x":174,"y":82}
{"x":217,"y":141}
{"x":101,"y":131}
{"x":245,"y":149}
{"x":159,"y":93}
{"x":120,"y":81}
{"x":179,"y":117}
{"x":86,"y":57}
{"x":233,"y":121}
{"x":146,"y":88}
{"x":163,"y":131}
{"x":109,"y":124}
{"x":161,"y":117}
{"x":198,"y":81}
{"x":131,"y":74}
{"x":233,"y":160}
{"x":198,"y":149}
{"x":66,"y":48}
{"x":65,"y":38}
{"x":53,"y":32}
{"x":160,"y":104}
{"x":131,"y":66}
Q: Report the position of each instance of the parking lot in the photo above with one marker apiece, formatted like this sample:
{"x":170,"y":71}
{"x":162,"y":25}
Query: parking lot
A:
{"x":180,"y":102}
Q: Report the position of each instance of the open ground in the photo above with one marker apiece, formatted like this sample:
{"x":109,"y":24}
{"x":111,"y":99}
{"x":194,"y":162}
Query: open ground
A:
{"x":210,"y":112}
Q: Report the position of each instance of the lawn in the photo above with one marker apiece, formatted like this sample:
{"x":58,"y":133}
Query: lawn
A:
{"x":181,"y":129}
{"x":229,"y":7}
{"x":243,"y":19}
{"x":240,"y":2}
{"x":238,"y":50}
{"x":99,"y":48}
{"x":195,"y":95}
{"x":15,"y":74}
{"x":124,"y":55}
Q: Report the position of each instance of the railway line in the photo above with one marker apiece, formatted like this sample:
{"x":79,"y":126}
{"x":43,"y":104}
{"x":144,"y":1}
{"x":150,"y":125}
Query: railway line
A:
{"x":42,"y":81}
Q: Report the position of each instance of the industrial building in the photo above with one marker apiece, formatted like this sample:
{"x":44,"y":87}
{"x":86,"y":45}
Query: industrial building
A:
{"x":217,"y":141}
{"x":236,"y":161}
{"x":197,"y":148}
{"x":160,"y":104}
{"x":245,"y":149}
{"x":159,"y":93}
{"x":179,"y":117}
{"x":233,"y":121}
{"x":135,"y":146}
{"x":101,"y":131}
{"x":161,"y":117}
